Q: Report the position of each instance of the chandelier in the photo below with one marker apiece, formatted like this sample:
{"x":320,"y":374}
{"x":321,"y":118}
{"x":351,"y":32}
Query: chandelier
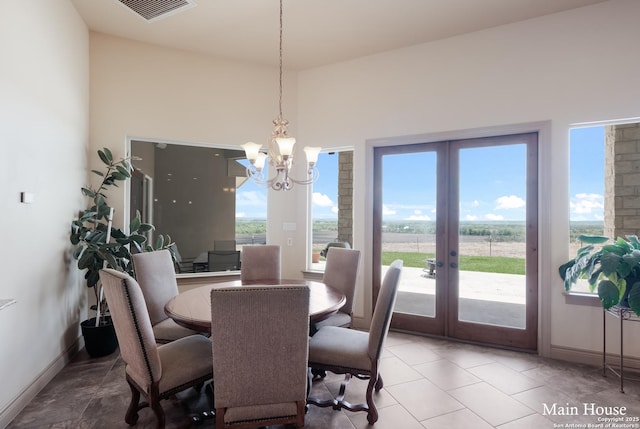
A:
{"x":279,"y":154}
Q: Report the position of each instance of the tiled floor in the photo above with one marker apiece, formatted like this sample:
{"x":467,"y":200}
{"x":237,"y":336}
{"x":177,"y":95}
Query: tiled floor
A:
{"x":429,"y":383}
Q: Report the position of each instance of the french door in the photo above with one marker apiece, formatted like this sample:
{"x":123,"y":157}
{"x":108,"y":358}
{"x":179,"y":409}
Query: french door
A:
{"x":463,"y":216}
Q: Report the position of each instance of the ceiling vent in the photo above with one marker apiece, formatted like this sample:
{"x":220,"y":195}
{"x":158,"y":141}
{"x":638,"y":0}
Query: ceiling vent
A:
{"x":152,"y":10}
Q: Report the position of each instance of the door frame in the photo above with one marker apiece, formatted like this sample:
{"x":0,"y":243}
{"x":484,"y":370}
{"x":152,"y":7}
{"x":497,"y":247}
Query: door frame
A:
{"x":546,"y":269}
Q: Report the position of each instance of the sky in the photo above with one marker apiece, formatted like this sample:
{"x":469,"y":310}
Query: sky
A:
{"x":492,"y":184}
{"x":586,"y":182}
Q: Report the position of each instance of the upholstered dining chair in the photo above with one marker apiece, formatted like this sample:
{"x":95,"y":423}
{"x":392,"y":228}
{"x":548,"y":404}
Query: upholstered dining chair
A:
{"x":155,"y":274}
{"x":357,"y":353}
{"x":260,"y":262}
{"x":341,"y":271}
{"x":155,"y":371}
{"x":260,"y":337}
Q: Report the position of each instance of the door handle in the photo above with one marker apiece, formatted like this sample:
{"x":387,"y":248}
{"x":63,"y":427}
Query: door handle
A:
{"x":453,"y":265}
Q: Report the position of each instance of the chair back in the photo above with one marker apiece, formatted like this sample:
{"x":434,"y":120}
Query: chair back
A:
{"x":133,"y":327}
{"x":260,"y":337}
{"x":181,"y":265}
{"x":383,"y":310}
{"x":155,"y":273}
{"x":260,"y":262}
{"x":341,"y":272}
{"x":224,"y":260}
{"x":224,"y":245}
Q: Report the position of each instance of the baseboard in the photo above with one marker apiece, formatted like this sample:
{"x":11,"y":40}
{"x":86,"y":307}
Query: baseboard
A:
{"x":592,"y":358}
{"x":39,"y":382}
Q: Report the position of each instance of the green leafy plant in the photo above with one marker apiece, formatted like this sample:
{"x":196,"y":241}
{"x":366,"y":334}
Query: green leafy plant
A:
{"x":612,"y":268}
{"x":98,"y":245}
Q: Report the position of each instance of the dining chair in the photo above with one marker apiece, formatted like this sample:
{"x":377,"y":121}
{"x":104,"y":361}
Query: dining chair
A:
{"x":223,"y":260}
{"x":260,"y":262}
{"x":155,"y":274}
{"x":357,"y":353}
{"x":341,"y":271}
{"x":156,"y":371}
{"x":182,"y":265}
{"x":260,"y":337}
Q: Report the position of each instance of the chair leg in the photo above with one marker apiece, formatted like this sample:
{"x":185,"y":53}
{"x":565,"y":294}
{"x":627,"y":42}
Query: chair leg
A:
{"x":154,"y":403}
{"x":301,"y":407}
{"x":372,"y":412}
{"x":219,"y":418}
{"x":131,"y":417}
{"x":379,"y":383}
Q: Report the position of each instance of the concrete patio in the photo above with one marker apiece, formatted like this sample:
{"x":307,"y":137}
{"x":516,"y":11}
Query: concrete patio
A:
{"x":489,"y":298}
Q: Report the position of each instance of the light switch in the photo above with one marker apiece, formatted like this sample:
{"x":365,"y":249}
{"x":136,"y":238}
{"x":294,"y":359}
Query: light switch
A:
{"x":27,"y":197}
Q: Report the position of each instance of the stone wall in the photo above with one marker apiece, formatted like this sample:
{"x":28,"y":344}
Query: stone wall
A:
{"x":622,"y":180}
{"x":345,"y":196}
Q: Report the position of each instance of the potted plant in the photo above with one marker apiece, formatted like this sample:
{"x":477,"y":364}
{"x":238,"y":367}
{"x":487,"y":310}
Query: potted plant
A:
{"x":98,"y":245}
{"x":612,"y":268}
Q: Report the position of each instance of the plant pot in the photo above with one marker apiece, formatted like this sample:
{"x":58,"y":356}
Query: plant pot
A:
{"x":99,"y":340}
{"x":315,"y":257}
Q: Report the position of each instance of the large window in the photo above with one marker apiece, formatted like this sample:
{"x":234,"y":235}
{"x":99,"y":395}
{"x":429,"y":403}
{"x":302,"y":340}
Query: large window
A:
{"x":586,"y":187}
{"x":331,"y":192}
{"x":200,"y":197}
{"x":603,"y":182}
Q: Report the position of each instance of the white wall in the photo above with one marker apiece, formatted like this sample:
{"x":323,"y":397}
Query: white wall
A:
{"x":571,"y":67}
{"x":44,"y":127}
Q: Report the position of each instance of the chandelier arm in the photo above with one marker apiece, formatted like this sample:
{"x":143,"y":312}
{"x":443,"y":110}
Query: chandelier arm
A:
{"x":313,"y":175}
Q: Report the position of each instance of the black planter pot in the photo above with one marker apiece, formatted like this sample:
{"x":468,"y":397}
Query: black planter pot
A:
{"x":99,"y":340}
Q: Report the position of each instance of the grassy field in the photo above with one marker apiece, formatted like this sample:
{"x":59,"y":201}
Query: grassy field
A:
{"x":488,"y":264}
{"x":494,"y":247}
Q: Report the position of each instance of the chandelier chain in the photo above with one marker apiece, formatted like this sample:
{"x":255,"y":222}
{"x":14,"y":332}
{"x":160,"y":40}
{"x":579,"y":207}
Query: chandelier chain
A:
{"x":280,"y":151}
{"x":280,"y":95}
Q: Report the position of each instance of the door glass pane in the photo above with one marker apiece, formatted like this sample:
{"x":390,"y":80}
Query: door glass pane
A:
{"x":491,"y":235}
{"x":408,"y":228}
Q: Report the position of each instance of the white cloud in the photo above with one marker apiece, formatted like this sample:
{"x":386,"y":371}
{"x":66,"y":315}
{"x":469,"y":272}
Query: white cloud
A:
{"x":334,"y":209}
{"x":387,"y":211}
{"x":475,"y":203}
{"x":491,"y":216}
{"x":418,"y":217}
{"x":471,"y":217}
{"x":321,"y":200}
{"x":592,"y":204}
{"x":509,"y":202}
{"x":240,"y":214}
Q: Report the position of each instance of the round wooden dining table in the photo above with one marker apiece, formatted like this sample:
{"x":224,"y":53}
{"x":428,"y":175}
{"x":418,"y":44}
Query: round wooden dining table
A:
{"x":192,"y":308}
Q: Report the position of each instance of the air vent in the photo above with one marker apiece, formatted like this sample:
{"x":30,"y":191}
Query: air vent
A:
{"x":152,"y":10}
